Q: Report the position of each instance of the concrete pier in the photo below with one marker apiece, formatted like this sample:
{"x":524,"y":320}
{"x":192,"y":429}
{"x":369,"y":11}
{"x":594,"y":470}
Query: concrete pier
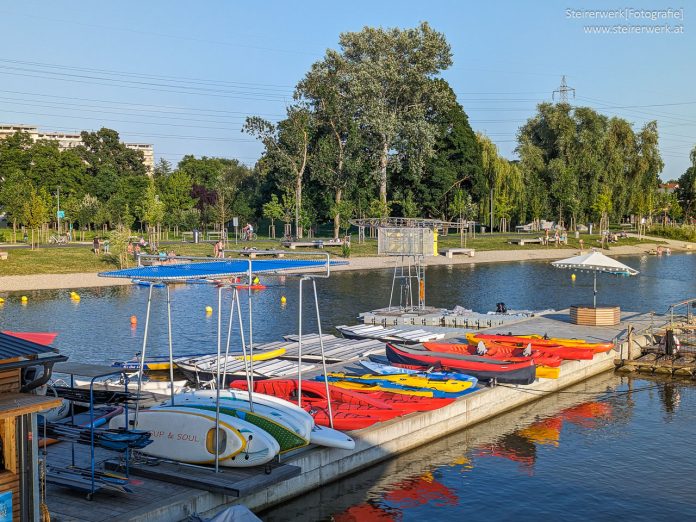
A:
{"x":320,"y":466}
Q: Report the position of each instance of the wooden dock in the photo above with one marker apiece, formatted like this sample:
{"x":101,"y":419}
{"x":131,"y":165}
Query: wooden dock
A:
{"x":161,"y":490}
{"x":164,"y":498}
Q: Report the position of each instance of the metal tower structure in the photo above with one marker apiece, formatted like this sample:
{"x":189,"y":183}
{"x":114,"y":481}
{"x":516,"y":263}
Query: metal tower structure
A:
{"x":563,"y":91}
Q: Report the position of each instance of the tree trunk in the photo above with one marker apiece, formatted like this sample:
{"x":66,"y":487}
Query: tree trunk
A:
{"x":337,"y":217}
{"x":298,"y":205}
{"x":383,"y":160}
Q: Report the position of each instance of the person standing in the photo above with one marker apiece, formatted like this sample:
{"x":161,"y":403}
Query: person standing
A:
{"x":95,"y":245}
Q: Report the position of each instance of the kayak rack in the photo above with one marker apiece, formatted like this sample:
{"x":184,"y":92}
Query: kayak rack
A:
{"x":74,"y":476}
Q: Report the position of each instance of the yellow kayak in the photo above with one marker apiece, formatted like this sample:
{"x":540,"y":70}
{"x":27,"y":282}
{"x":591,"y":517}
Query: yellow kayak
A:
{"x":546,"y":372}
{"x":161,"y":365}
{"x":412,"y":381}
{"x":359,"y":386}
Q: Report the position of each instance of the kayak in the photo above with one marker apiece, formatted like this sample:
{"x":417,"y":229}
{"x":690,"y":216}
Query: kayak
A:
{"x":571,"y":353}
{"x":366,"y":387}
{"x":497,"y":351}
{"x":483,"y":368}
{"x":351,"y":411}
{"x":314,"y":392}
{"x":382,"y":367}
{"x":161,"y":362}
{"x":409,"y":381}
{"x":536,"y":343}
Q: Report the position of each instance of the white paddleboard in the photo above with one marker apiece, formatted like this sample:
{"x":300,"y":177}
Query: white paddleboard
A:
{"x":283,"y":412}
{"x":260,"y":447}
{"x":186,"y":435}
{"x":270,"y":400}
{"x":323,"y":436}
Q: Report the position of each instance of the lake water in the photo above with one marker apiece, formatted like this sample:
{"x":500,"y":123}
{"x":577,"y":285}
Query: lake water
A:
{"x":612,"y":447}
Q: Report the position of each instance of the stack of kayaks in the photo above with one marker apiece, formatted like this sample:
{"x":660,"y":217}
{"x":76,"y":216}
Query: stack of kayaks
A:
{"x":248,"y":435}
{"x":547,"y":365}
{"x":350,"y":410}
{"x":420,"y":385}
{"x":570,"y":349}
{"x":483,"y":368}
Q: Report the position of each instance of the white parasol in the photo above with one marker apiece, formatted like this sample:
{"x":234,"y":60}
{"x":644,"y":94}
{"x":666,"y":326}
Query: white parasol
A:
{"x":595,"y":262}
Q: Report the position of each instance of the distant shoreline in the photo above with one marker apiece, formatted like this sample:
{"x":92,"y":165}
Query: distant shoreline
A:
{"x":91,"y":280}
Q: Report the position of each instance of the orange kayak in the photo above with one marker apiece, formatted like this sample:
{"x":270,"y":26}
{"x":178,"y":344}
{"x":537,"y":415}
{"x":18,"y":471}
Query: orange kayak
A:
{"x":539,"y":343}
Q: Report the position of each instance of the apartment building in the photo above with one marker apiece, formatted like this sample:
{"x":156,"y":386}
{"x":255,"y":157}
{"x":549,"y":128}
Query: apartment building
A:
{"x":69,"y":140}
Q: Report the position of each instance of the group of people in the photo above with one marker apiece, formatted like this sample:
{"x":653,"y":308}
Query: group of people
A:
{"x":100,"y":246}
{"x":559,"y":237}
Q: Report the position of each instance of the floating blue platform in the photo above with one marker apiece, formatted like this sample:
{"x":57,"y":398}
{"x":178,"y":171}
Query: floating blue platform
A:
{"x":212,"y":269}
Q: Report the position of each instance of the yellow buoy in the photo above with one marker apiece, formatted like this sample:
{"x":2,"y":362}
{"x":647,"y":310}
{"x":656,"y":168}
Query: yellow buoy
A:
{"x":256,"y":280}
{"x":208,"y":309}
{"x":572,"y":277}
{"x":24,"y":299}
{"x":283,"y":300}
{"x":75,"y":298}
{"x":1,"y":300}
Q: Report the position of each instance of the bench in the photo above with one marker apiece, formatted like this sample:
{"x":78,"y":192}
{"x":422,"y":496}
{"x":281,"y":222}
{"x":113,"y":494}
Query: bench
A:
{"x":524,"y":241}
{"x":3,"y":256}
{"x":450,"y":252}
{"x":254,"y":253}
{"x":292,"y":245}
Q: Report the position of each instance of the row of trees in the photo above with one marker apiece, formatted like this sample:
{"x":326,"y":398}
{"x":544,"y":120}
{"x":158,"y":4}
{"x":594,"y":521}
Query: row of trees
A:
{"x":104,"y":183}
{"x":374,"y":130}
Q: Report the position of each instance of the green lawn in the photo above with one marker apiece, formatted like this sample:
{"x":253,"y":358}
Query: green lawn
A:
{"x":71,"y":259}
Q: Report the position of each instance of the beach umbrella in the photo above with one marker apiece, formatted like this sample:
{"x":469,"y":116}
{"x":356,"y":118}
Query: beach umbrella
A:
{"x":595,"y":262}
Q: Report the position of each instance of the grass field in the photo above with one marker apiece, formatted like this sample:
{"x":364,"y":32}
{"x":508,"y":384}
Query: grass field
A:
{"x":73,"y":258}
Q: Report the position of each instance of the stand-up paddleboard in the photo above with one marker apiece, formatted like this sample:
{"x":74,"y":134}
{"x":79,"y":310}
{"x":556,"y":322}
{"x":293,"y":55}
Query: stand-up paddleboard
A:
{"x":186,"y":435}
{"x":259,"y":447}
{"x":285,"y":436}
{"x":288,"y":409}
{"x":323,"y":436}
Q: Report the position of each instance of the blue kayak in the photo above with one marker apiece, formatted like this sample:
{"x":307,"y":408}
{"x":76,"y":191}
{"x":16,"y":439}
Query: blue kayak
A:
{"x":381,"y":365}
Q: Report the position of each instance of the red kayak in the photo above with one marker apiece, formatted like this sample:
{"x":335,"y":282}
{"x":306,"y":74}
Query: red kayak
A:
{"x":483,"y":368}
{"x":316,"y":391}
{"x":498,"y":351}
{"x":351,"y":411}
{"x":43,"y":338}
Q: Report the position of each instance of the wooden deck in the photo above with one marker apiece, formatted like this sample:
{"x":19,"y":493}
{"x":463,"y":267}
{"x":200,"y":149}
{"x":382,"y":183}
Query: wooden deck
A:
{"x":166,"y":488}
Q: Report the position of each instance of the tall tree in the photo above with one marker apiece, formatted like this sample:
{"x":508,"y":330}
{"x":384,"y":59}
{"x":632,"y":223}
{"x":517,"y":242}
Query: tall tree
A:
{"x":35,"y":211}
{"x":109,"y":162}
{"x":389,"y":75}
{"x":687,"y":187}
{"x":287,"y":147}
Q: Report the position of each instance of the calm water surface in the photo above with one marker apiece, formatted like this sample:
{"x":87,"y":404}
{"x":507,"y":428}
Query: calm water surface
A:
{"x":610,"y":448}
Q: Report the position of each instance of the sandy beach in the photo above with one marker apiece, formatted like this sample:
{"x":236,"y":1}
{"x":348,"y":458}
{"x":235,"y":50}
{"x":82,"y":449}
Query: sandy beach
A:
{"x":86,"y":280}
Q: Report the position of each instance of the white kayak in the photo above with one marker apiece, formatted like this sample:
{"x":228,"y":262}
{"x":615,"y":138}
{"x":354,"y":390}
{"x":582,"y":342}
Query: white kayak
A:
{"x":324,"y":436}
{"x":259,"y":448}
{"x":186,"y":435}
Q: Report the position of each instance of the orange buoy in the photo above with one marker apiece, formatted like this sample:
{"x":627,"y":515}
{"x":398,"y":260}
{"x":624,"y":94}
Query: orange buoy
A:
{"x":133,"y":319}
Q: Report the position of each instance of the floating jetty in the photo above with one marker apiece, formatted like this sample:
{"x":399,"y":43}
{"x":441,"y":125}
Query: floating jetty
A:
{"x":172,"y":492}
{"x":441,"y":317}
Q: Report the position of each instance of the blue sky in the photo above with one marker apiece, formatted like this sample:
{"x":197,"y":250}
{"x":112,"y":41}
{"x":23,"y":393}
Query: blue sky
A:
{"x":182,"y":75}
